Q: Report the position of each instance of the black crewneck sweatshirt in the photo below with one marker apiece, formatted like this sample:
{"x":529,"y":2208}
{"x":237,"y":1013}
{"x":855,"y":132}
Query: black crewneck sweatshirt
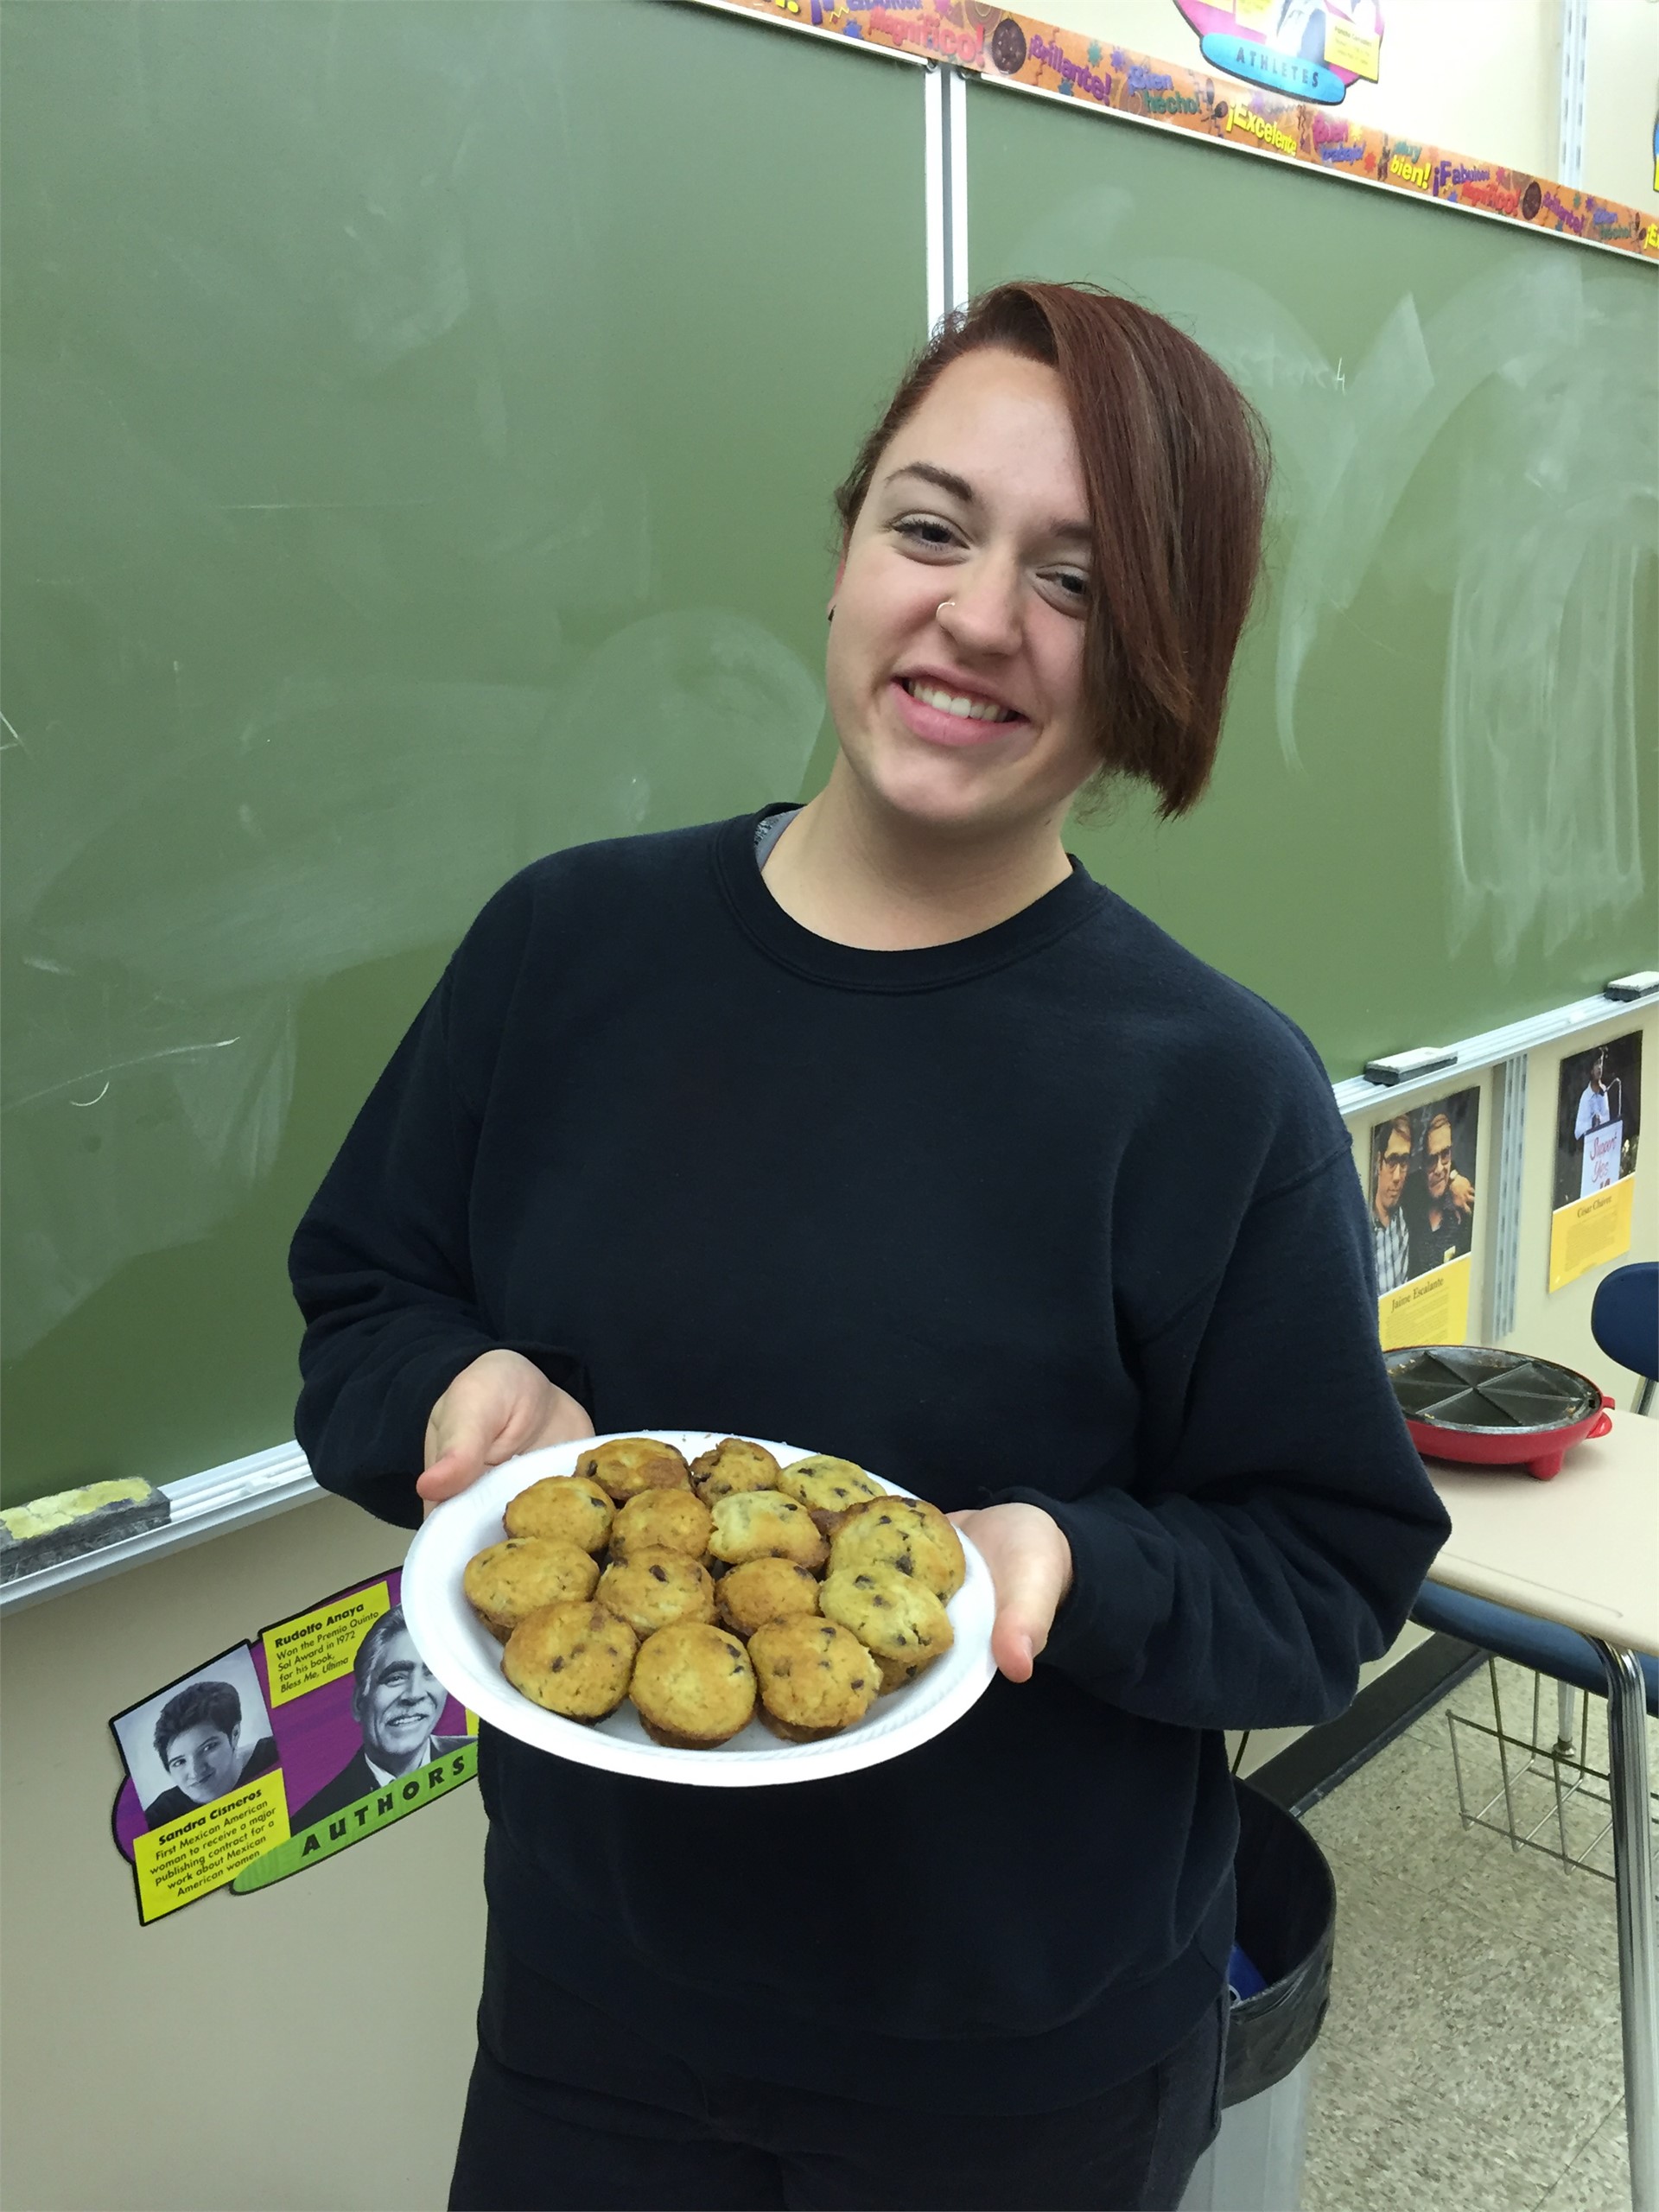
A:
{"x":1053,"y":1213}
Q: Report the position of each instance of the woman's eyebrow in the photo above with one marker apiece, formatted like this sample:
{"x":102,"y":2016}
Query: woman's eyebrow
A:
{"x":959,"y":488}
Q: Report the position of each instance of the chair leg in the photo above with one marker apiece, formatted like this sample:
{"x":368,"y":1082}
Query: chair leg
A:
{"x":1638,"y":1972}
{"x":1564,"y":1718}
{"x":1644,"y":1396}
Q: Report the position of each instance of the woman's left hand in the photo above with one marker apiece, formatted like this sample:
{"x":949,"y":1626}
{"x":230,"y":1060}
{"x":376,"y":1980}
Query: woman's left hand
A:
{"x":1031,"y":1566}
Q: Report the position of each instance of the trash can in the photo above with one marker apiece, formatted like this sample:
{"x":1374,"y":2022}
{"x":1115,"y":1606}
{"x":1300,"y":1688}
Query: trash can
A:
{"x":1287,"y":1927}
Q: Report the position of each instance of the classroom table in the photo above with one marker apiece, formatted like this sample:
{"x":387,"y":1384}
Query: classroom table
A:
{"x":1583,"y":1550}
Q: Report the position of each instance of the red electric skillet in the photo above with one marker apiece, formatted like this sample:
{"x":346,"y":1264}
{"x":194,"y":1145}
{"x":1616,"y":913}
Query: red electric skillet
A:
{"x":1491,"y":1408}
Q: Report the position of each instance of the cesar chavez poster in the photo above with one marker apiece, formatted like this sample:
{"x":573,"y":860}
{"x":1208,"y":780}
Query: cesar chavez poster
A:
{"x":1597,"y":1130}
{"x":278,"y":1753}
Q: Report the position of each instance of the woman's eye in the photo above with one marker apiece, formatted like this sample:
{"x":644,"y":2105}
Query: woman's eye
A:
{"x":927,"y":531}
{"x":1071,"y":584}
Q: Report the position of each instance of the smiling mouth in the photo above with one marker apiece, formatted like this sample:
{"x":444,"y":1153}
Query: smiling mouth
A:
{"x":957,"y":703}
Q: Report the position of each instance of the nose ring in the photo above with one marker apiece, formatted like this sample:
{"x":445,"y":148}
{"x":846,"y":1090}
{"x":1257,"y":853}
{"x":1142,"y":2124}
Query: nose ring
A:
{"x":940,"y":608}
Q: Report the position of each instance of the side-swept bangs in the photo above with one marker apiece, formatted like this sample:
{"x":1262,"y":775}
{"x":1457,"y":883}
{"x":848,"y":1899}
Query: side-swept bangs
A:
{"x":1175,"y":461}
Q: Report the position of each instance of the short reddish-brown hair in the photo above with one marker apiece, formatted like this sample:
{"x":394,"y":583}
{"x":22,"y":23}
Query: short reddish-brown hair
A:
{"x":1175,"y":461}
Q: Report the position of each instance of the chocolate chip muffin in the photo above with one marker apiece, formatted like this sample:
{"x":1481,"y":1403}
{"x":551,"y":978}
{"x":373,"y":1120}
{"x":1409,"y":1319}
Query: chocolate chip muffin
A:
{"x":828,"y":1489}
{"x":815,"y":1677}
{"x":693,"y":1687}
{"x":733,"y":1465}
{"x":511,"y":1579}
{"x":568,"y":1507}
{"x":895,"y":1617}
{"x":905,"y":1533}
{"x":765,"y":1524}
{"x":765,"y":1590}
{"x":655,"y":1588}
{"x":629,"y":1464}
{"x":676,"y":1519}
{"x":573,"y":1659}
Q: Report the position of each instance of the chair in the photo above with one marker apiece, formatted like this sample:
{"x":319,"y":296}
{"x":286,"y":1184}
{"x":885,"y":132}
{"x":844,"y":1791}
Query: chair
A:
{"x":1624,"y":1322}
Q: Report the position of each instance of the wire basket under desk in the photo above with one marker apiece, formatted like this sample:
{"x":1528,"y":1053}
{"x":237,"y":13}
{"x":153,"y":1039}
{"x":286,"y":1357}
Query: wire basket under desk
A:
{"x":1551,"y":1796}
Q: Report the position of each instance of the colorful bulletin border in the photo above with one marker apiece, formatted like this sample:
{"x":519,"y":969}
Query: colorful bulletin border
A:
{"x":980,"y":36}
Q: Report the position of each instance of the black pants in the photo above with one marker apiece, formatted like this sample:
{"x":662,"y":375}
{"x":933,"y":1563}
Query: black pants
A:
{"x":632,"y":2126}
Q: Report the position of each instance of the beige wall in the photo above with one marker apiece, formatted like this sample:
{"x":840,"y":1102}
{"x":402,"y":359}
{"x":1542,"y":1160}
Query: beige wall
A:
{"x":1479,"y":77}
{"x":305,"y":2047}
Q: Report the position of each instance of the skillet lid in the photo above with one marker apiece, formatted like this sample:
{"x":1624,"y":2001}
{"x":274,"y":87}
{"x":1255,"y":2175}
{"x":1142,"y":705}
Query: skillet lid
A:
{"x":1480,"y":1392}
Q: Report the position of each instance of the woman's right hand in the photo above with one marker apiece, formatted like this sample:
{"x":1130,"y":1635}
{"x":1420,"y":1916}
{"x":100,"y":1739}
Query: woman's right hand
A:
{"x":500,"y":1405}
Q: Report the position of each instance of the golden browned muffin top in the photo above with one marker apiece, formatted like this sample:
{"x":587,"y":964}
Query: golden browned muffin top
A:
{"x":507,"y":1580}
{"x":828,"y":1488}
{"x":573,"y":1659}
{"x":895,"y":1616}
{"x":765,"y":1524}
{"x":733,"y":1465}
{"x":905,"y":1534}
{"x":674,"y":1518}
{"x":629,"y":1464}
{"x":693,"y":1686}
{"x":567,"y":1506}
{"x":765,"y":1590}
{"x":815,"y":1677}
{"x":654,"y":1587}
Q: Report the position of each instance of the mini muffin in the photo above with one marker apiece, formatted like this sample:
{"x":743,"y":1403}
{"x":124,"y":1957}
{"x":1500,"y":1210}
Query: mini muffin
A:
{"x":693,"y":1687}
{"x":895,"y":1617}
{"x":655,"y":1588}
{"x":675,"y":1519}
{"x":566,"y":1506}
{"x":815,"y":1677}
{"x":629,"y":1464}
{"x":828,"y":1489}
{"x":733,"y":1465}
{"x":519,"y":1577}
{"x":905,"y":1533}
{"x":573,"y":1659}
{"x":765,"y":1590}
{"x":765,"y":1524}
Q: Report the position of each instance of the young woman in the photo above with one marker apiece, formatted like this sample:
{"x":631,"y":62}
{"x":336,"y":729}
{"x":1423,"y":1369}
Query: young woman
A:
{"x":878,"y":1126}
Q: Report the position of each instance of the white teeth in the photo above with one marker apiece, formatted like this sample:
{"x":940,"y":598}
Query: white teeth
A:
{"x":949,"y":702}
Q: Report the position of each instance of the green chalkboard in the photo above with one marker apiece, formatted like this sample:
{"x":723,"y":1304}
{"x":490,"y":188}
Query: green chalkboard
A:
{"x":421,"y":422}
{"x":1435,"y":809}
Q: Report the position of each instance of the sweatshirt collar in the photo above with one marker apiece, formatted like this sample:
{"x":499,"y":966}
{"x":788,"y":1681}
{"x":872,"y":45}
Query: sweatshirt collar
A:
{"x":856,"y":969}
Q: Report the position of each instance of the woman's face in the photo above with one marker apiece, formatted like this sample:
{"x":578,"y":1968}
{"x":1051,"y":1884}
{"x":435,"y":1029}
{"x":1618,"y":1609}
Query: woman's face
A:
{"x":969,"y":719}
{"x":202,"y":1762}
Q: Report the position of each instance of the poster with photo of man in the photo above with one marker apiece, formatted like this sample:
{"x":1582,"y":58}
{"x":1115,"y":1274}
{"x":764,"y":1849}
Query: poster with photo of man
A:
{"x":276,"y":1755}
{"x":1422,"y":1200}
{"x":1598,"y":1126}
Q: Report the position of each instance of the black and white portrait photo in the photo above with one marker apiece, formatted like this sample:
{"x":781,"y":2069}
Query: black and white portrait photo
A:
{"x":198,"y":1740}
{"x":397,"y":1702}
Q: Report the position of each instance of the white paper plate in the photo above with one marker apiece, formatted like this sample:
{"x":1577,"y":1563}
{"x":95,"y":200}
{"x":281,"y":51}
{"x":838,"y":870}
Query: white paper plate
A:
{"x":467,"y":1659}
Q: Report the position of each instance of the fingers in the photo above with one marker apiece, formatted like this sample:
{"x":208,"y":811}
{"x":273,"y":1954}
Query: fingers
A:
{"x":1030,"y":1566}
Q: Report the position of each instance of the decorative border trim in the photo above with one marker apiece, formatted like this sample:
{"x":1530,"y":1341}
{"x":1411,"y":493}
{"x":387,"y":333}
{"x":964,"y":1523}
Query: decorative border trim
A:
{"x":1004,"y":48}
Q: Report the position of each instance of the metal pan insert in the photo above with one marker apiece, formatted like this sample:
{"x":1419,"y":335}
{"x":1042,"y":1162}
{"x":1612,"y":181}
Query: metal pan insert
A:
{"x":1493,"y":1409}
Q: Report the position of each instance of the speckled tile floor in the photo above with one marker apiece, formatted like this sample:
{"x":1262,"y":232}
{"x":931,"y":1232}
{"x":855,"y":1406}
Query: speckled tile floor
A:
{"x":1471,"y":2060}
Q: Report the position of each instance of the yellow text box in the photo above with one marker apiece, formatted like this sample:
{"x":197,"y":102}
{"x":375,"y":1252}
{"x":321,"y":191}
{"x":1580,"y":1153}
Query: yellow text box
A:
{"x":1433,"y":1310}
{"x":1255,"y":15}
{"x":318,"y":1647}
{"x":1347,"y":48}
{"x":201,"y":1850}
{"x":1589,"y":1232}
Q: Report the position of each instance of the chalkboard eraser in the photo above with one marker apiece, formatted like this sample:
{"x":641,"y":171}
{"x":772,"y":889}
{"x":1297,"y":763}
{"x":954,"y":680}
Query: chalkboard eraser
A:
{"x":1632,"y":987}
{"x":1406,"y":1067}
{"x":50,"y":1530}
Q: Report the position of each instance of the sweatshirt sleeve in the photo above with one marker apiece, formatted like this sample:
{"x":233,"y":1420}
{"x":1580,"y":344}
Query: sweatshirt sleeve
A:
{"x":381,"y":1264}
{"x":1276,"y":1524}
